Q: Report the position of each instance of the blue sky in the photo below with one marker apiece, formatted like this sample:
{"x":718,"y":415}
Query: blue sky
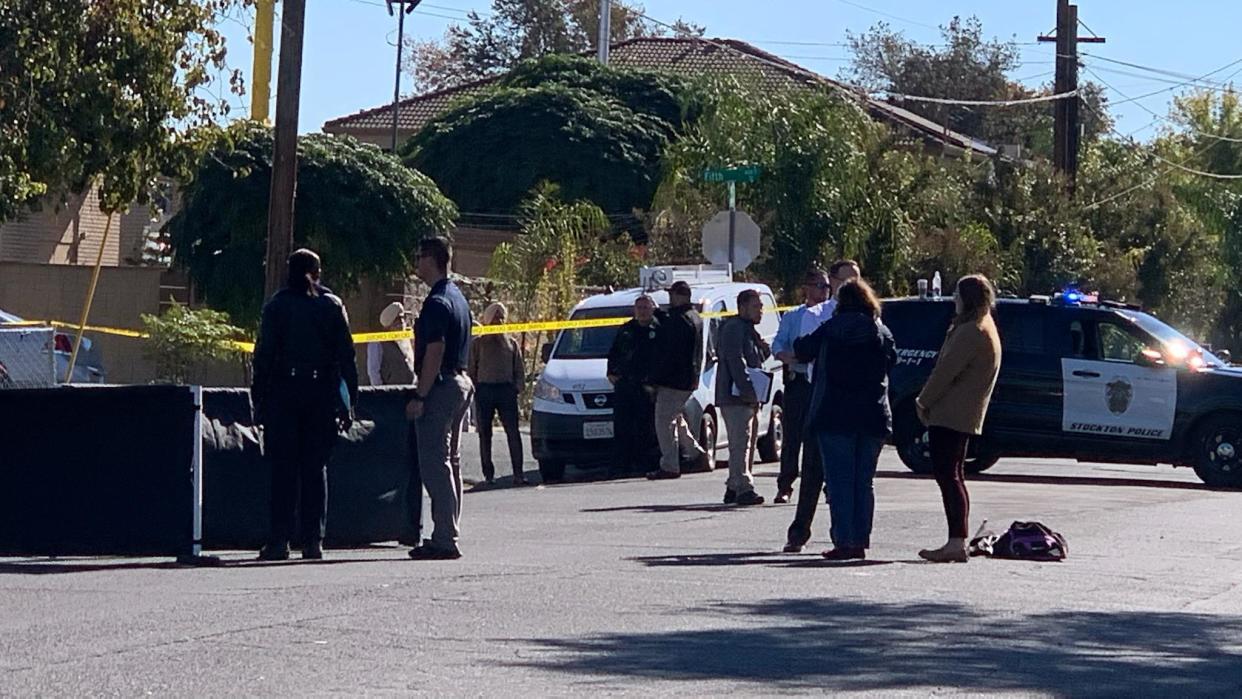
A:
{"x":349,"y":56}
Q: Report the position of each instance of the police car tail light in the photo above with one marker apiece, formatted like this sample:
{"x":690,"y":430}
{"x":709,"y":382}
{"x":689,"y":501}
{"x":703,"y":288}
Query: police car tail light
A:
{"x":544,"y":390}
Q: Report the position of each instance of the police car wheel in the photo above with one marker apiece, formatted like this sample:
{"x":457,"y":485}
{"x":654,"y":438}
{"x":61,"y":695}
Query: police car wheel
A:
{"x":770,"y":443}
{"x":910,"y":438}
{"x":980,"y":463}
{"x":552,"y":471}
{"x":1217,"y":455}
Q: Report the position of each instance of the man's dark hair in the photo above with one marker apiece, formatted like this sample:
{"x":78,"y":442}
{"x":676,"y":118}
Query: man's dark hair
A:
{"x":841,"y":264}
{"x":438,"y":249}
{"x":814,"y":274}
{"x":747,"y":296}
{"x":680,"y":288}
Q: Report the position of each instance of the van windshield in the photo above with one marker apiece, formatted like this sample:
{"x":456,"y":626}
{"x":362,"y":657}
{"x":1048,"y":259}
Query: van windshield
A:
{"x":590,"y":343}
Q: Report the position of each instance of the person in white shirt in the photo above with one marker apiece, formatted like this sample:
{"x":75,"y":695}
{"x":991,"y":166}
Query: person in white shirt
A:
{"x":818,"y":289}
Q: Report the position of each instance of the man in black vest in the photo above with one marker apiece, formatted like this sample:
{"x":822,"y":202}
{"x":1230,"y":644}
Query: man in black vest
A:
{"x":676,"y":375}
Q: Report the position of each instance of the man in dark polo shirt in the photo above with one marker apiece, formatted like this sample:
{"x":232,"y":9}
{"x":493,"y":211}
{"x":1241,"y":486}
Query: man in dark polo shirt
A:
{"x":441,"y":346}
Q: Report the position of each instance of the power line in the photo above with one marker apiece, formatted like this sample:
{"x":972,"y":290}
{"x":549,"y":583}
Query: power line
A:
{"x":794,"y":68}
{"x":888,"y":15}
{"x":982,"y":103}
{"x":1160,"y":117}
{"x":1139,"y":66}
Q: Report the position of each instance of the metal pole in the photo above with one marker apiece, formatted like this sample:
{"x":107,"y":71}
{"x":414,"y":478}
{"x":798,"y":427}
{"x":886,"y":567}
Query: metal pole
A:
{"x":732,"y":219}
{"x":605,"y":30}
{"x":196,"y":473}
{"x":261,"y":83}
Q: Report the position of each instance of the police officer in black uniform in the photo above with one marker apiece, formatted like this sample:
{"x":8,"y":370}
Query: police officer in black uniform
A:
{"x":630,"y":361}
{"x":305,"y":387}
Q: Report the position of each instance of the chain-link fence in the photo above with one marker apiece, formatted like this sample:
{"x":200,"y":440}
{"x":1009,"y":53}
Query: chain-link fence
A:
{"x":26,"y":357}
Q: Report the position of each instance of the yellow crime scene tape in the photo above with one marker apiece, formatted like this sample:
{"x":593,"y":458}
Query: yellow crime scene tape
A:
{"x":394,"y":335}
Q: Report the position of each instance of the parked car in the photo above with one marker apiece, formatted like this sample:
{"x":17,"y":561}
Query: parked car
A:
{"x":571,"y":418}
{"x":88,"y":368}
{"x":1084,"y":379}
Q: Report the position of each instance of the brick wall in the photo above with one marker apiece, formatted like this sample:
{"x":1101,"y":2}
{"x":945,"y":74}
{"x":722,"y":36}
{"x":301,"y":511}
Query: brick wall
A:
{"x":57,"y":292}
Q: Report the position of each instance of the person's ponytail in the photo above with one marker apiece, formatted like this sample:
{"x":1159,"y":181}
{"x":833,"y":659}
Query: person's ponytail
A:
{"x":303,"y":272}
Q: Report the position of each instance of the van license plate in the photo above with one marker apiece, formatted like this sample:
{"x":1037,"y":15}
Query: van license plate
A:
{"x":597,"y":430}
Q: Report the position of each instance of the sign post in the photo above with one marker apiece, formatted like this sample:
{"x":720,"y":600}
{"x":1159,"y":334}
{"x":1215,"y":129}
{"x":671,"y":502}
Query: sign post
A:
{"x":732,"y":176}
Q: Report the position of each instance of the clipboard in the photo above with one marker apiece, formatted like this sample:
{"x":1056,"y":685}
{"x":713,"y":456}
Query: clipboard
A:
{"x":762,"y":381}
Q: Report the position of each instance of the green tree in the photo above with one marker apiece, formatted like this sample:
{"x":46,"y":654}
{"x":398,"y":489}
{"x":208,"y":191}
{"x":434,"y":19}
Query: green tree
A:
{"x":814,"y":199}
{"x":489,"y":151}
{"x":104,"y":91}
{"x":488,"y":44}
{"x":356,"y":205}
{"x":965,"y":65}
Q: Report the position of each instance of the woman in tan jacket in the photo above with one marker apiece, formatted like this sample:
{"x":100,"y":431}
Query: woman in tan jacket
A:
{"x":495,"y":366}
{"x":954,"y":401}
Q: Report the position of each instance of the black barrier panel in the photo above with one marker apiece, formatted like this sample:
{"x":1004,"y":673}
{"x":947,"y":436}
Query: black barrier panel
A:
{"x":366,"y":476}
{"x":96,"y":470}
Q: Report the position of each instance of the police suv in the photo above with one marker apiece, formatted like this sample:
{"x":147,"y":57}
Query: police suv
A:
{"x":1080,"y":378}
{"x":571,"y":417}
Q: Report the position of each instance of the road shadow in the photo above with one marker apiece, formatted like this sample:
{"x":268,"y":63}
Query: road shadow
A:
{"x":61,"y":567}
{"x":657,"y":509}
{"x":1102,"y":481}
{"x":834,"y":645}
{"x":750,"y":558}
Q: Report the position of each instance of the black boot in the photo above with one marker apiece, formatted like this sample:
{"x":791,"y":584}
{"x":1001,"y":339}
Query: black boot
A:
{"x":277,"y":551}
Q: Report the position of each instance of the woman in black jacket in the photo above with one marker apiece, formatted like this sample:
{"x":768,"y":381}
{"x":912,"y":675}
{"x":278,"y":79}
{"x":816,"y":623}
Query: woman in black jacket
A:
{"x":849,"y":413}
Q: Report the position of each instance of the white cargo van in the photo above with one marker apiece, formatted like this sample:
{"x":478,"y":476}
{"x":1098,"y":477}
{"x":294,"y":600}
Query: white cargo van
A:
{"x":571,"y":420}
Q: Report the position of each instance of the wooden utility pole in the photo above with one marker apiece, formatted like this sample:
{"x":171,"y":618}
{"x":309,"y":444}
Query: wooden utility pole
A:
{"x":1066,"y":125}
{"x":404,"y":7}
{"x":285,"y":158}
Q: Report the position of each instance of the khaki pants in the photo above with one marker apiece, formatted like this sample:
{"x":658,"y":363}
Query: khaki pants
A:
{"x":742,"y":424}
{"x":439,"y":433}
{"x":671,"y":429}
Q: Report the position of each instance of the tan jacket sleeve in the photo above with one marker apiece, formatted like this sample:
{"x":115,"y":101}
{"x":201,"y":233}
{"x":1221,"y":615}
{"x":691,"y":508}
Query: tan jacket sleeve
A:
{"x":955,"y":356}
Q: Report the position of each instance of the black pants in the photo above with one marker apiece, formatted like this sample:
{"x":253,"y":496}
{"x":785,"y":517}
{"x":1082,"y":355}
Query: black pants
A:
{"x":799,"y":441}
{"x":636,"y":448}
{"x":491,"y":399}
{"x":298,"y":438}
{"x":413,"y":486}
{"x":797,"y":402}
{"x":948,"y":454}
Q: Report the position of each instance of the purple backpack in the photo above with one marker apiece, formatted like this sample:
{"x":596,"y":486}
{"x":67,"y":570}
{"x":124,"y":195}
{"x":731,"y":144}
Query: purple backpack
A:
{"x":1027,"y":541}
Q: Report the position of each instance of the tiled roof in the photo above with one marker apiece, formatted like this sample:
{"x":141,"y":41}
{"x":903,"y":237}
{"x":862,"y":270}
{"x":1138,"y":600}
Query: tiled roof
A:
{"x":688,"y":57}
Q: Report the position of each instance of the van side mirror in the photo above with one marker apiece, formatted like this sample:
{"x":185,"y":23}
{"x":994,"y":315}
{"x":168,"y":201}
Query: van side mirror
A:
{"x":1149,"y":358}
{"x":545,"y":352}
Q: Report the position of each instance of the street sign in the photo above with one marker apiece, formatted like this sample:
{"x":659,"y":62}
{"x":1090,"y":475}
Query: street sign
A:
{"x":749,"y":173}
{"x":745,"y":239}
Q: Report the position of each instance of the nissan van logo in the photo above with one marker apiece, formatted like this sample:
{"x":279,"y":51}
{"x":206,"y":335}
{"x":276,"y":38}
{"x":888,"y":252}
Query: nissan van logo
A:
{"x":601,"y":400}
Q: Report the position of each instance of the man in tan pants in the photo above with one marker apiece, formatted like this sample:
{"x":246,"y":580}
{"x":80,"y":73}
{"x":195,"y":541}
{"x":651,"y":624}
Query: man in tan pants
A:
{"x":680,"y":342}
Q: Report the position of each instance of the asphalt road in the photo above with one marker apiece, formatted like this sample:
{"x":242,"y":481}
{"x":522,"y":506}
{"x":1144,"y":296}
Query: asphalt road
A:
{"x":631,"y":587}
